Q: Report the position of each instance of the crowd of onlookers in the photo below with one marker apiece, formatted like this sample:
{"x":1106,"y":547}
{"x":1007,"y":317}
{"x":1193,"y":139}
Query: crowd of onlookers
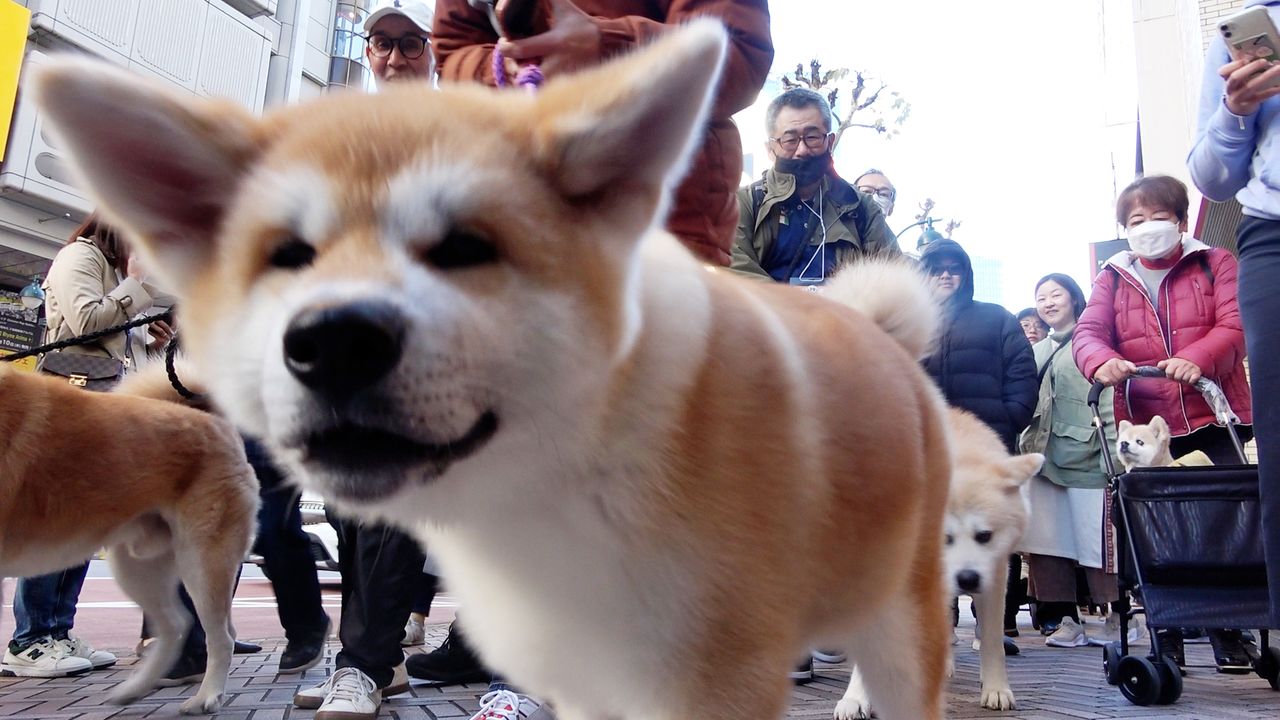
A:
{"x":1169,"y":301}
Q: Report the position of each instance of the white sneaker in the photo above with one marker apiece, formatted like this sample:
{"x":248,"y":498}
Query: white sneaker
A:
{"x":79,"y":647}
{"x":505,"y":705}
{"x":348,"y":694}
{"x":399,"y":681}
{"x":1110,"y":632}
{"x":415,"y":633}
{"x":1069,"y":634}
{"x":45,"y":658}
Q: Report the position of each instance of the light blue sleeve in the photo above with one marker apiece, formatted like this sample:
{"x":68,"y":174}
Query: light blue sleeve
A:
{"x":1223,"y":150}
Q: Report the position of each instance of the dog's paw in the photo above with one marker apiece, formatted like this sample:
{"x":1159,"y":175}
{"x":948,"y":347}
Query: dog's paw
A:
{"x":127,"y":692}
{"x":199,"y":705}
{"x":853,"y":709}
{"x":997,"y":698}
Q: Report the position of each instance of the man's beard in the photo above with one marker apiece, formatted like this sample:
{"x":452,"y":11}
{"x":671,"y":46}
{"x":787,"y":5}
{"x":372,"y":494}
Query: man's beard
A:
{"x":806,"y":170}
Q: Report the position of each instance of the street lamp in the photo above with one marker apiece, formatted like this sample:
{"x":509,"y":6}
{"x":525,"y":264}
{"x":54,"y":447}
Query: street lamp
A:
{"x":928,"y":236}
{"x":32,"y":295}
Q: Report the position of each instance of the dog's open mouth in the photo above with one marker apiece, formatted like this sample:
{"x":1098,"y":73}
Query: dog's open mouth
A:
{"x":358,"y":449}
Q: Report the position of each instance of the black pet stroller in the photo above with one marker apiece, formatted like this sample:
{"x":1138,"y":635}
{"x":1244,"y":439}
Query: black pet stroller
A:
{"x":1189,"y":541}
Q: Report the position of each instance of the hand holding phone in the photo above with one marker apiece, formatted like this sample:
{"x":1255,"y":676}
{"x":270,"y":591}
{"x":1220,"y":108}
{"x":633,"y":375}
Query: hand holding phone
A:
{"x":1253,"y":75}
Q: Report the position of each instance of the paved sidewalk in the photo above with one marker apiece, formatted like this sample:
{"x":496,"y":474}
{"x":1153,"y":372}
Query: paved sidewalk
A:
{"x":1050,"y":684}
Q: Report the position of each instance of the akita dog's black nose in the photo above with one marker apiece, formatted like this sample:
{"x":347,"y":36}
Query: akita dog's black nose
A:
{"x":968,"y":580}
{"x":341,"y":349}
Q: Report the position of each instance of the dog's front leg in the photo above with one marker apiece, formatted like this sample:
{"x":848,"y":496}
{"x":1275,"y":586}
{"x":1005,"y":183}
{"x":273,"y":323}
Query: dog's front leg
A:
{"x":996,"y":693}
{"x":855,"y":705}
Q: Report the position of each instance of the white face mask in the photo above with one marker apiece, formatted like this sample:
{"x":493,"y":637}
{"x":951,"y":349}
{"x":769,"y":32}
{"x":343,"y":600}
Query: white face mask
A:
{"x":886,"y":205}
{"x":1154,"y":239}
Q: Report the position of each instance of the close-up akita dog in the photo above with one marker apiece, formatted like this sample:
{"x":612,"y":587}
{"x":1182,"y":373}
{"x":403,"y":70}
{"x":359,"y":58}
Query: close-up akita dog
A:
{"x":652,"y":485}
{"x":986,"y":516}
{"x":166,"y":489}
{"x":1145,"y":445}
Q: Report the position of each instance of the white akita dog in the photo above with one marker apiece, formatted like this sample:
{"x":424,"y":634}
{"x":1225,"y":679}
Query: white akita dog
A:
{"x":651,"y":485}
{"x":986,"y":516}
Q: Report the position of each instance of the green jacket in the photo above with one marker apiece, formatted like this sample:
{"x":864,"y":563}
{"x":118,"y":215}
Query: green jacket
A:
{"x":1062,"y":427}
{"x":855,"y":225}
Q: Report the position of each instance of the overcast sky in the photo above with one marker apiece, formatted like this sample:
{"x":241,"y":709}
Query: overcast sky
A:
{"x":1014,"y":126}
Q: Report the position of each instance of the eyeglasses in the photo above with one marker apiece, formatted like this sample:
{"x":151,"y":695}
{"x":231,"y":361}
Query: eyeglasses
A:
{"x":886,"y":193}
{"x":411,"y":46}
{"x":952,"y":270}
{"x":791,"y":141}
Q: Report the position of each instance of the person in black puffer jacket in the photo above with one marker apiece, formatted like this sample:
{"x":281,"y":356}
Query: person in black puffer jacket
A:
{"x":984,"y":364}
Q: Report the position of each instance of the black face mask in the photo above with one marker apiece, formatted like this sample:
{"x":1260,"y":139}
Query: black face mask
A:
{"x":807,"y":170}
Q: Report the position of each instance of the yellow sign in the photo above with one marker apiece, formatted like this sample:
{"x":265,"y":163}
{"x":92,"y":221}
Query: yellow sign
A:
{"x":15,"y":22}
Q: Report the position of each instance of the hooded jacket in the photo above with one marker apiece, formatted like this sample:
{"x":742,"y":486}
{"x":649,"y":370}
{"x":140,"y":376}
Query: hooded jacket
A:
{"x":705,"y":208}
{"x":982,"y":362}
{"x":1196,"y":317}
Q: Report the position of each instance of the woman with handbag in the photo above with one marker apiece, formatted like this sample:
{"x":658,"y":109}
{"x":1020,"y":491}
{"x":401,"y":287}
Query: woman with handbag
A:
{"x":93,"y":284}
{"x":1067,"y":529}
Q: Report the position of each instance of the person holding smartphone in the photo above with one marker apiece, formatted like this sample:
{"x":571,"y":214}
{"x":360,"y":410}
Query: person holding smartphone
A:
{"x":1237,"y":152}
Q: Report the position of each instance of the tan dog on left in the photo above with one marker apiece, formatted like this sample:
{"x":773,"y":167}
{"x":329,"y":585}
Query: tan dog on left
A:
{"x":165,"y":488}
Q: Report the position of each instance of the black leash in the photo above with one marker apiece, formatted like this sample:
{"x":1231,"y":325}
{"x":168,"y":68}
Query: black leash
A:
{"x":170,"y":352}
{"x":89,"y":337}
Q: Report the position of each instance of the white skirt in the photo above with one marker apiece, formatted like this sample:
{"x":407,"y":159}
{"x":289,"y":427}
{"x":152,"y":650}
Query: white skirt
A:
{"x":1064,"y":522}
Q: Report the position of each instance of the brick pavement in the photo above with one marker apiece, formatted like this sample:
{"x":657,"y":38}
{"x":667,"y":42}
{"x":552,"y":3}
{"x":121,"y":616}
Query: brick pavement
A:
{"x":1050,"y":684}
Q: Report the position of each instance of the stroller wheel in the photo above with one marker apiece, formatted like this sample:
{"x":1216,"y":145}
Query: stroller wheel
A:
{"x":1139,"y":680}
{"x":1170,"y":681}
{"x":1268,"y":666}
{"x":1111,"y":662}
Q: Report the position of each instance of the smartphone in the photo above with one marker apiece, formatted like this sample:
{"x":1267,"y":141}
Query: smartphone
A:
{"x":1251,"y":34}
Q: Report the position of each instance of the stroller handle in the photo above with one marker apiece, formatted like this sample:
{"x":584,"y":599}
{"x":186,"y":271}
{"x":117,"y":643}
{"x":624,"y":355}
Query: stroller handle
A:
{"x":1213,"y":394}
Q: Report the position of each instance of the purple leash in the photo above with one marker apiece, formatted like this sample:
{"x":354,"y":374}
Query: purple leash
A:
{"x":529,"y":77}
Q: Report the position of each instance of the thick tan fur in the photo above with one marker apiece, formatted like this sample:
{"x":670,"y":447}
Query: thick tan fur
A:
{"x":165,"y":489}
{"x":1145,"y":445}
{"x":689,"y":479}
{"x":986,"y":516}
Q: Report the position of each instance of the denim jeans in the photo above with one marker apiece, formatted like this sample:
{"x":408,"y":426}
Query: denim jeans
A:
{"x":1259,"y":243}
{"x":45,"y":605}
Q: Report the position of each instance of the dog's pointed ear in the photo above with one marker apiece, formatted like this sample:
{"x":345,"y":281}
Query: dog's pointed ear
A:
{"x":1124,"y":426}
{"x":1022,"y":468}
{"x":631,"y":125}
{"x":1159,"y":427}
{"x":161,"y":164}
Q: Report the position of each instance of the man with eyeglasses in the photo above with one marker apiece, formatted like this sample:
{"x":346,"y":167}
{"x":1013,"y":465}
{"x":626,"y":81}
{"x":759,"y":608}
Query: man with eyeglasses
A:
{"x":801,"y":221}
{"x":876,"y":184}
{"x":382,"y":568}
{"x":398,"y":42}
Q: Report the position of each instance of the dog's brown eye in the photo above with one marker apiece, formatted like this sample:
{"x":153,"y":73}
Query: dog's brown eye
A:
{"x":292,"y":253}
{"x":950,"y":539}
{"x":982,"y":537}
{"x":1139,"y":442}
{"x":461,"y":249}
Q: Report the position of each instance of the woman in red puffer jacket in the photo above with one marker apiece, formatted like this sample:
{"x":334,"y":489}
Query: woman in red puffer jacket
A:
{"x":1169,"y":301}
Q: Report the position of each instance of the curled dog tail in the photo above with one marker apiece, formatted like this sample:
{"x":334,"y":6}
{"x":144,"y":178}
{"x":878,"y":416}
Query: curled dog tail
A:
{"x":894,"y":294}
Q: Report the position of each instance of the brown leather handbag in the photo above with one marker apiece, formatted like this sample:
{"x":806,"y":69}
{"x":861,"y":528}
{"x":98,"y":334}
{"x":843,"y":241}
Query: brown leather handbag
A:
{"x":91,"y":372}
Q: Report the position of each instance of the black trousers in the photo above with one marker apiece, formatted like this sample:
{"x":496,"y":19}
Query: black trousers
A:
{"x":286,"y":554}
{"x":1259,"y":244}
{"x":381,"y":578}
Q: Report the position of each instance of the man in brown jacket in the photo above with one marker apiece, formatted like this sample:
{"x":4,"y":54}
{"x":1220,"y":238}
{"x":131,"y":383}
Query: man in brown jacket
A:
{"x":563,"y":35}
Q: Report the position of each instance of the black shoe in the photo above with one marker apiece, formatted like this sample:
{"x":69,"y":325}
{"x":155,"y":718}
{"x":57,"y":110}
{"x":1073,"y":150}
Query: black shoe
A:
{"x":803,"y":674}
{"x":453,"y":663}
{"x":1171,"y":645}
{"x":187,"y":670}
{"x":305,"y":653}
{"x":1010,"y":647}
{"x":246,"y":648}
{"x":1011,"y":632}
{"x":1232,"y":652}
